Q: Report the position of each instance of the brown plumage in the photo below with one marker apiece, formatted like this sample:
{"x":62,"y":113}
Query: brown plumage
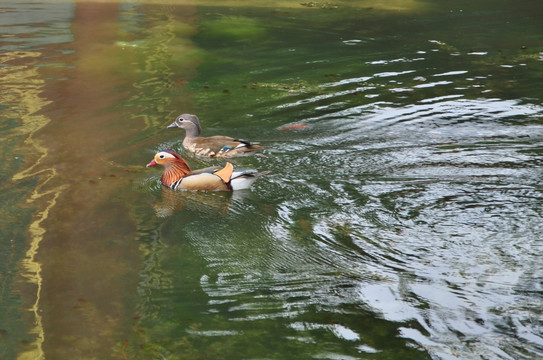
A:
{"x":178,"y":175}
{"x":212,"y":146}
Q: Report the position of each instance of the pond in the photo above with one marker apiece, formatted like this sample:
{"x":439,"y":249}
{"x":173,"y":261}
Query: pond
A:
{"x":401,"y":218}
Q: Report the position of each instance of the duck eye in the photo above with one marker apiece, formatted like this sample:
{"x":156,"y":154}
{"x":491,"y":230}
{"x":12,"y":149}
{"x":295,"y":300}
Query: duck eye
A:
{"x":161,"y":156}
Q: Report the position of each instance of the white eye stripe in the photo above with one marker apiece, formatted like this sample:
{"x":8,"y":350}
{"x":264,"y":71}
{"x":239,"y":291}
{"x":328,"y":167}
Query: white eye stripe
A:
{"x":164,"y":155}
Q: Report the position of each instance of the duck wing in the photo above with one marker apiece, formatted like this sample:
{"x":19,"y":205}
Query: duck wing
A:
{"x":222,"y":146}
{"x":214,"y":143}
{"x":208,"y":179}
{"x":209,"y":170}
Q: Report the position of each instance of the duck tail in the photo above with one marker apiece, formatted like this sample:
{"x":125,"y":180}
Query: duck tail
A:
{"x":243,"y":179}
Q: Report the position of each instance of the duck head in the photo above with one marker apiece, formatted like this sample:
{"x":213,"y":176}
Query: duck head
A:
{"x":163,"y":157}
{"x":186,"y":121}
{"x":175,"y":167}
{"x":166,"y":158}
{"x":189,"y":122}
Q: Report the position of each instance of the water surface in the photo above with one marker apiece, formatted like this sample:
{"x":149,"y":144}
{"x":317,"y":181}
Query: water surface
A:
{"x":401,"y":218}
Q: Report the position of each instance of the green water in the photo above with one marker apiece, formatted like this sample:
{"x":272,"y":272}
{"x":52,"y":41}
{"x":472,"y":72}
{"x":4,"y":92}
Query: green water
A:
{"x":401,"y":218}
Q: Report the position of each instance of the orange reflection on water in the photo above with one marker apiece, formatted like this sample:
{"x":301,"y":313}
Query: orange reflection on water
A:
{"x":22,"y":85}
{"x":82,"y":265}
{"x":87,"y":254}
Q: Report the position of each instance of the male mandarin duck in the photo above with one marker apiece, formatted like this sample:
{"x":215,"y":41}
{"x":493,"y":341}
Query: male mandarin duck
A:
{"x":178,"y":175}
{"x":213,"y":146}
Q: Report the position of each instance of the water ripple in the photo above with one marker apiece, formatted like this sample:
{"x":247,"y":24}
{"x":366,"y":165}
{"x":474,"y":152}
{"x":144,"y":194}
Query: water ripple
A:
{"x":429,"y":210}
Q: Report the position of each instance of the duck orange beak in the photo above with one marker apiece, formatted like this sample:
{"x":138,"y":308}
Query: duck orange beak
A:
{"x":152,"y":163}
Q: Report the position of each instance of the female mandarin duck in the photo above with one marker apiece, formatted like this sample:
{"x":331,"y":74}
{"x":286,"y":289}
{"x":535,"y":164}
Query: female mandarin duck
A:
{"x":178,"y":176}
{"x":213,"y":146}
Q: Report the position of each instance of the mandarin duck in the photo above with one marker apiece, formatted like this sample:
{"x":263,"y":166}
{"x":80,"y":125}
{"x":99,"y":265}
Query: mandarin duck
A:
{"x":212,"y":146}
{"x":178,"y":175}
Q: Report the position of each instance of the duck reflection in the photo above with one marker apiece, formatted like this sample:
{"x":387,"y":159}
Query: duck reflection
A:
{"x":215,"y":203}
